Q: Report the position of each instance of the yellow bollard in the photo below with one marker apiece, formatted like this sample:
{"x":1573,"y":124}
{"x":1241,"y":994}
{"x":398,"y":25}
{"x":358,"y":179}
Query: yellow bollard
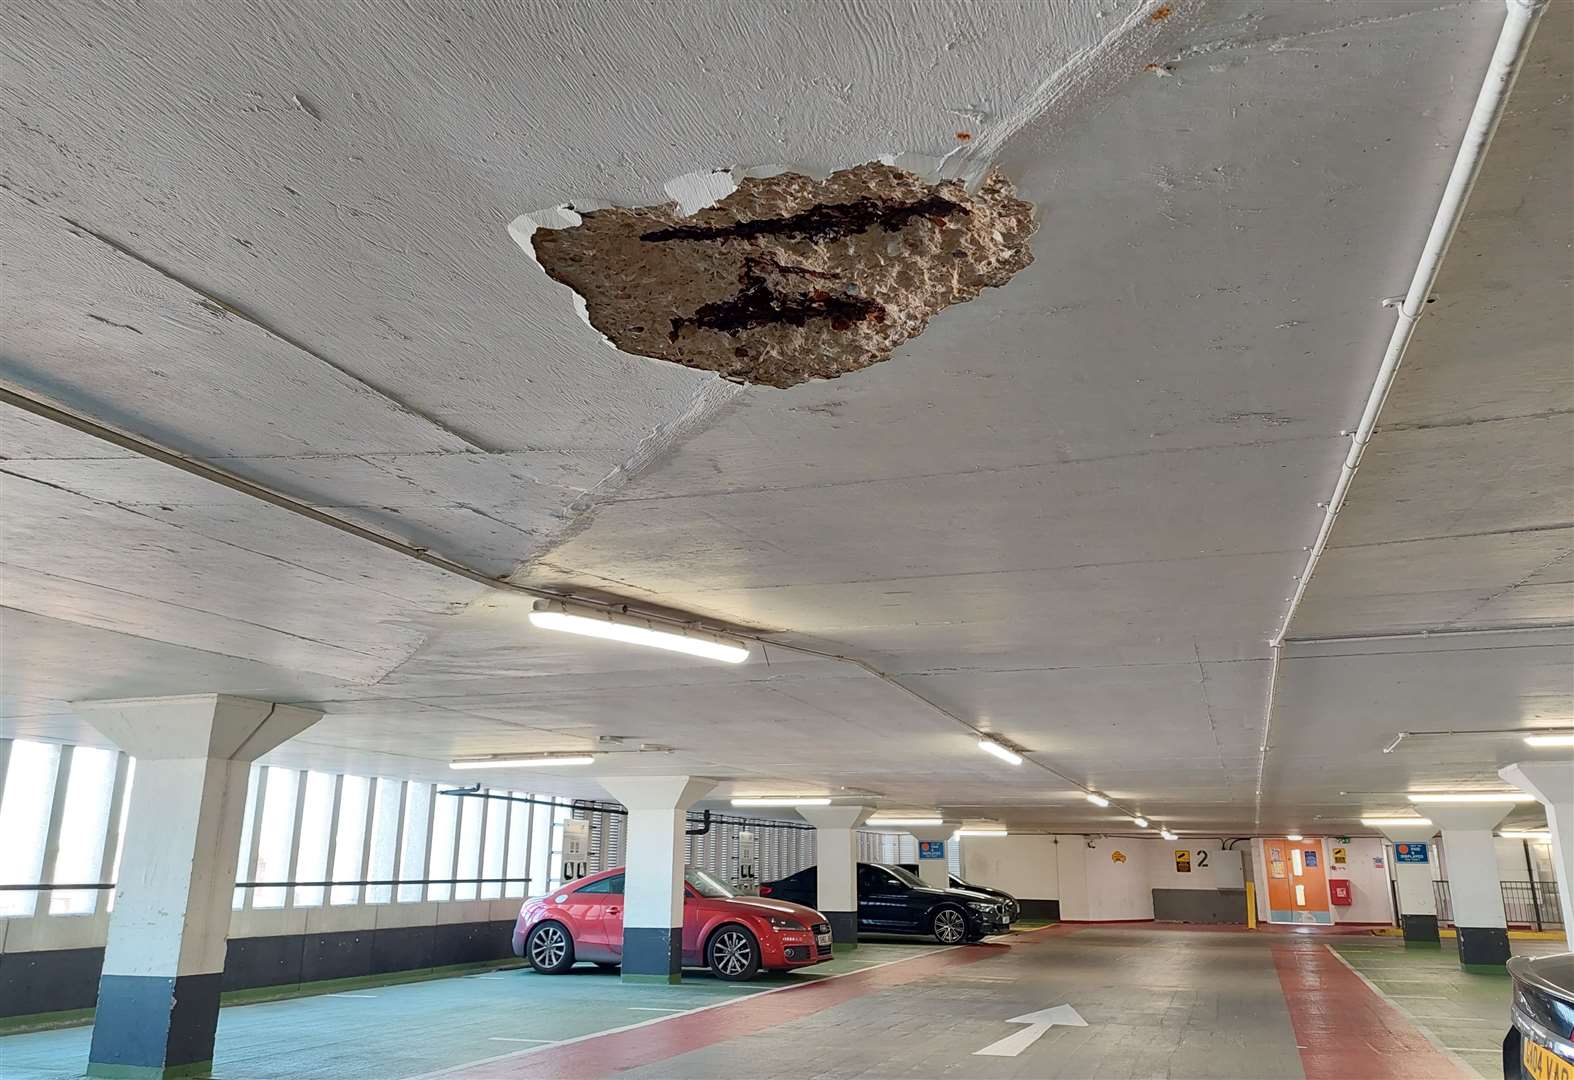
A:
{"x":1251,"y":906}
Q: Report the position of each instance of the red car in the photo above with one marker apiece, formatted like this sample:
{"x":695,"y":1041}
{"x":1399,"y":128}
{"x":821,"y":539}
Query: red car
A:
{"x":735,"y":936}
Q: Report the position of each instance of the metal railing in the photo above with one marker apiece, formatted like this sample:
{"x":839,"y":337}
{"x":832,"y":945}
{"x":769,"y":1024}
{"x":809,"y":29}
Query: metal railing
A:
{"x":1525,"y":903}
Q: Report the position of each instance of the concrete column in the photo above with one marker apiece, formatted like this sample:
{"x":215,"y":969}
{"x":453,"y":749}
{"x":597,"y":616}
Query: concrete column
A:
{"x":653,"y":872}
{"x":1552,"y":782}
{"x":158,"y":994}
{"x":836,"y":850}
{"x":1474,"y":888}
{"x":935,"y":872}
{"x":1417,"y":898}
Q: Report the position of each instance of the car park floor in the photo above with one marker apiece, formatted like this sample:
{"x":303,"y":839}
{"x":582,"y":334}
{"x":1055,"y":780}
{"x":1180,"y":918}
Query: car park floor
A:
{"x":1157,"y":1001}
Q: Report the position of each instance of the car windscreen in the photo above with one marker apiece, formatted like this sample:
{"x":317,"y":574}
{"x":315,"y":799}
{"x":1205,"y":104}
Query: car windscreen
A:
{"x":705,"y":885}
{"x":911,"y":880}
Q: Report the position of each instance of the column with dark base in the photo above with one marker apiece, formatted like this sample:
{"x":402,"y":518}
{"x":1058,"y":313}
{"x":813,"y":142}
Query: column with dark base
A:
{"x":1411,"y":848}
{"x":1552,"y":783}
{"x":1474,"y":889}
{"x":158,"y":994}
{"x":836,"y":852}
{"x":653,"y":874}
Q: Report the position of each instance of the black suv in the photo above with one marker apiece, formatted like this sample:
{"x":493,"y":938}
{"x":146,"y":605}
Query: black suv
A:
{"x":1013,"y":909}
{"x":893,"y":901}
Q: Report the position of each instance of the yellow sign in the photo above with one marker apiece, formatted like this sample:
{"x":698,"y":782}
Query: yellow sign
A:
{"x":1182,"y":861}
{"x":1117,"y":856}
{"x":1339,"y":856}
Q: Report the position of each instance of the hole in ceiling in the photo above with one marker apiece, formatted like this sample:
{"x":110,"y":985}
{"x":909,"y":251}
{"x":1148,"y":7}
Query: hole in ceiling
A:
{"x":789,"y":278}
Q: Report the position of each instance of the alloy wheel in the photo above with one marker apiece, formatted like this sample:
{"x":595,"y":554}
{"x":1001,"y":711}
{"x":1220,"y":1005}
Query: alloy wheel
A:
{"x":731,"y":952}
{"x":548,"y":947}
{"x":950,"y":927}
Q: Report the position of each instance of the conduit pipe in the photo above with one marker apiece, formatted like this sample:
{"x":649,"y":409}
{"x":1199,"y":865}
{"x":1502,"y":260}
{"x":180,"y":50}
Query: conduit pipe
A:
{"x":1513,"y":44}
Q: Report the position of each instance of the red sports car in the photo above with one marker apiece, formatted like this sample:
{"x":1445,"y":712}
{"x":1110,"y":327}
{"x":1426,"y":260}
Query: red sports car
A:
{"x":735,"y":936}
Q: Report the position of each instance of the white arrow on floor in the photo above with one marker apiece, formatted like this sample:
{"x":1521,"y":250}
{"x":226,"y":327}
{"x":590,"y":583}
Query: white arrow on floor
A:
{"x":1038,"y":1023}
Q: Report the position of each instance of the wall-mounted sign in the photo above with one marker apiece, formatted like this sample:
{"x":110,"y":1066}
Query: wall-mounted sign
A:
{"x":1311,"y":857}
{"x":931,"y":849}
{"x":576,"y":849}
{"x":1411,"y":853}
{"x":1117,"y":856}
{"x":1339,"y":856}
{"x":1276,"y":861}
{"x":1377,"y":863}
{"x":1182,"y":861}
{"x":1342,"y":839}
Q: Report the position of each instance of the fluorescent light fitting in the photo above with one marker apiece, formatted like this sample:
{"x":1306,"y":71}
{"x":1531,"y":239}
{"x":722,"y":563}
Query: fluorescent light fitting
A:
{"x":1096,"y":799}
{"x":1140,"y":821}
{"x":1393,"y":822}
{"x":633,"y":630}
{"x":786,"y":800}
{"x":1566,"y":739}
{"x":904,"y":821}
{"x":1525,"y":834}
{"x":1004,"y":753}
{"x":516,"y":762}
{"x":982,"y":832}
{"x":1470,"y":797}
{"x":1294,"y":837}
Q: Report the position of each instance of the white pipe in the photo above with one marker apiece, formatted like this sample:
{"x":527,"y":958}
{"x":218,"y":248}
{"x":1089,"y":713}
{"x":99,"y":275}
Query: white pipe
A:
{"x":1519,"y":26}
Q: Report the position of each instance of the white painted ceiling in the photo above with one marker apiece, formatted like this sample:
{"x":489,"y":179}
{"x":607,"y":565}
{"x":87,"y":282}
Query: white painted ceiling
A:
{"x":1070,"y":512}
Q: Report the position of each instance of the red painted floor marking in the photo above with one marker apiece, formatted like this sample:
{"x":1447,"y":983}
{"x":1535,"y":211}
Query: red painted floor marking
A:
{"x":606,"y":1054}
{"x":1345,"y":1031}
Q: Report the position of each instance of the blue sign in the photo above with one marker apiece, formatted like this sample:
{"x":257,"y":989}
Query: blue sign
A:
{"x":931,"y":849}
{"x":1311,"y":858}
{"x":1410,"y":853}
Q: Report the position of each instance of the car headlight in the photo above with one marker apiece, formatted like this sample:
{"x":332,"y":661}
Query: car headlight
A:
{"x":978,"y":905}
{"x":779,"y":923}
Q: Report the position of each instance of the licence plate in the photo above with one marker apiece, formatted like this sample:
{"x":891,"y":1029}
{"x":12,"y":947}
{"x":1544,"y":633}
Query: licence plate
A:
{"x":823,"y":939}
{"x":1542,"y":1064}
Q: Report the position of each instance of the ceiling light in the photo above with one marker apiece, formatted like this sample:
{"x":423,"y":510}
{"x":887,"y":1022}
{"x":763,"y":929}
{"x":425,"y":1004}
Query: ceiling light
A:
{"x":633,"y":630}
{"x":1566,"y":739}
{"x":1004,"y":753}
{"x":526,"y":762}
{"x":785,"y":800}
{"x":1141,"y":822}
{"x":1525,"y":834}
{"x":1294,"y":837}
{"x":904,"y":821}
{"x":1168,"y":835}
{"x":1393,"y":822}
{"x":1471,"y":796}
{"x":1096,"y":799}
{"x":982,"y":832}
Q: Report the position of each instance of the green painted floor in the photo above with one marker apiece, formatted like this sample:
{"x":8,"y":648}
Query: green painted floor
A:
{"x":385,"y":1032}
{"x":1466,"y":1013}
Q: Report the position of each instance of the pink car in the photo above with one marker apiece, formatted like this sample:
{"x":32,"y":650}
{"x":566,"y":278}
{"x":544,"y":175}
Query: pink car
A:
{"x":735,"y":936}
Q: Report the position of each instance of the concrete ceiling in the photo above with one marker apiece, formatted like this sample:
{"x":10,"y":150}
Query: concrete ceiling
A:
{"x":1070,"y":512}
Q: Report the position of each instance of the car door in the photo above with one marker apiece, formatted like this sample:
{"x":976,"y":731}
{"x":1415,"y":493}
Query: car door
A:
{"x":600,"y":935}
{"x":882,"y":900}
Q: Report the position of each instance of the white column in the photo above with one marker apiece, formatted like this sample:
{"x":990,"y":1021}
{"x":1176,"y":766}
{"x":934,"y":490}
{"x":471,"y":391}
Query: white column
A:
{"x":836,"y":851}
{"x":1417,"y":898}
{"x":158,"y":996}
{"x":1552,"y":782}
{"x":1474,"y":888}
{"x":653,"y":872}
{"x":935,"y":871}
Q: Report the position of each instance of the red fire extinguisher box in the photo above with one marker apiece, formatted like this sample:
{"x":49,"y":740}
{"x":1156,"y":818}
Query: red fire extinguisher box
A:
{"x":1339,"y":891}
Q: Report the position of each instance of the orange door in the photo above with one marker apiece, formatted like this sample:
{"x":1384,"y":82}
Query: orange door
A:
{"x":1297,"y":881}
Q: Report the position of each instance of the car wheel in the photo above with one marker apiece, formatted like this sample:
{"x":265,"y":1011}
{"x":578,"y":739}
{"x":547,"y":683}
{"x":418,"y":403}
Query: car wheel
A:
{"x":550,"y":949}
{"x":949,"y":926}
{"x":733,"y":954}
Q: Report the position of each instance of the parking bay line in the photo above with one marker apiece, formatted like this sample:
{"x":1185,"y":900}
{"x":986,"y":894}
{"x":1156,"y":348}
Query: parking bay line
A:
{"x":653,"y":1008}
{"x":504,"y":1038}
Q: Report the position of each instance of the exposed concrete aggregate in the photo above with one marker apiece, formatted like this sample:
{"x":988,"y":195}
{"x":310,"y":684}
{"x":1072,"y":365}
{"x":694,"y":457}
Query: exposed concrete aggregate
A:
{"x":788,"y":278}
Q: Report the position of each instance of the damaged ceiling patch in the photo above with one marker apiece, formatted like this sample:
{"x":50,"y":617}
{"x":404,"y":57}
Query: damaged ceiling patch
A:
{"x":787,"y":278}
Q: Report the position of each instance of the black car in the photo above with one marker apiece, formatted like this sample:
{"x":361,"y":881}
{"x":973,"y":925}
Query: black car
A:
{"x":1540,"y":1045}
{"x":893,"y":901}
{"x":1012,"y":908}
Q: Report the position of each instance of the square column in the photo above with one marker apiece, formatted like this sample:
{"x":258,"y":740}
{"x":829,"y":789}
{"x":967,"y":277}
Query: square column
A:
{"x":836,"y":850}
{"x":653,"y":874}
{"x":1552,"y":782}
{"x":1474,"y":888}
{"x":935,"y":872}
{"x":1417,"y":898}
{"x":158,"y":994}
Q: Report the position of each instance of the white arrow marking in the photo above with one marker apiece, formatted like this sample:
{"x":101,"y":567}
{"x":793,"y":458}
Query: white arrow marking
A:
{"x":1038,"y":1023}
